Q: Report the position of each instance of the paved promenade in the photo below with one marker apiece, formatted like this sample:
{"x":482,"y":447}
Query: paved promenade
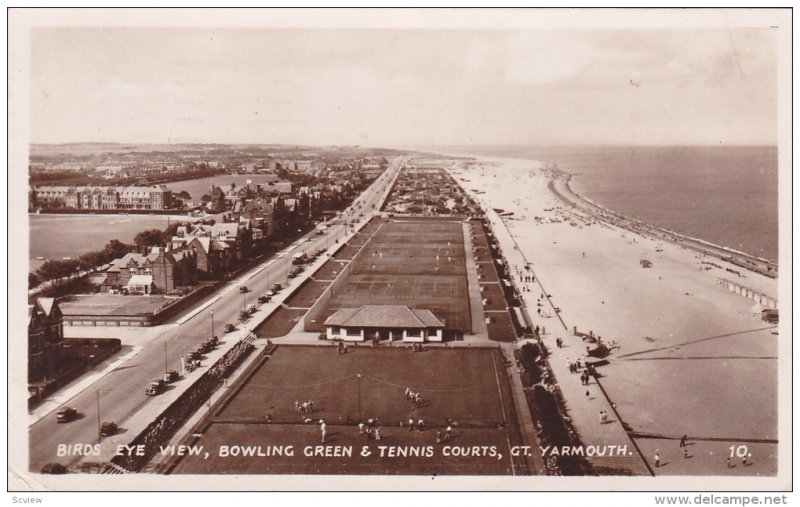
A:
{"x":584,"y":402}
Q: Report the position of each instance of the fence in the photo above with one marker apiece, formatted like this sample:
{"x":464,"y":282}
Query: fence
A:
{"x":164,"y":427}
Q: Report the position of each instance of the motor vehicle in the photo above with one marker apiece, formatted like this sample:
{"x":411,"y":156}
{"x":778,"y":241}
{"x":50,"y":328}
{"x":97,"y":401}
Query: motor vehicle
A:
{"x":264,"y":299}
{"x":66,"y":414}
{"x":192,"y":356}
{"x":155,"y":388}
{"x":171,"y":376}
{"x":213,"y":341}
{"x":229,"y":328}
{"x":270,"y":293}
{"x":108,"y":428}
{"x":276,"y":288}
{"x":251,"y":309}
{"x":243,"y":289}
{"x":243,"y":315}
{"x":299,"y":258}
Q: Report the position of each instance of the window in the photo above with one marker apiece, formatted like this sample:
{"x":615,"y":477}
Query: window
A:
{"x":336,"y":330}
{"x":352,"y":331}
{"x":413,"y":333}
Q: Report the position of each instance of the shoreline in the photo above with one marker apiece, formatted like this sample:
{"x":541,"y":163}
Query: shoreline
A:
{"x":569,"y":196}
{"x":742,"y":259}
{"x":672,"y":328}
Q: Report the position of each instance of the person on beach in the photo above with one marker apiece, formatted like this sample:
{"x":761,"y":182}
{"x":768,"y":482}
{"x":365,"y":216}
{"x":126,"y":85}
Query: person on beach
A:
{"x":361,"y":428}
{"x":322,"y":428}
{"x":411,"y":425}
{"x":438,"y":437}
{"x":683,"y":441}
{"x":657,"y":459}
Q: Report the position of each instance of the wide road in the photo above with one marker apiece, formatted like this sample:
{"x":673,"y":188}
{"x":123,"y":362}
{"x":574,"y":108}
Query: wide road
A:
{"x":121,"y":391}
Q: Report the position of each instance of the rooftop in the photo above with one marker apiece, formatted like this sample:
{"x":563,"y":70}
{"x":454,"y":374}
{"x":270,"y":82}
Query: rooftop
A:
{"x":394,"y":316}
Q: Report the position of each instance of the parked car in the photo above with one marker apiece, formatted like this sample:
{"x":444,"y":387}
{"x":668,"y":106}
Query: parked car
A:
{"x":243,"y":315}
{"x":171,"y":376}
{"x":155,"y":388}
{"x":108,"y":428}
{"x":251,"y":309}
{"x":243,"y":288}
{"x":277,"y":287}
{"x":229,"y":328}
{"x":66,"y":414}
{"x":264,"y":299}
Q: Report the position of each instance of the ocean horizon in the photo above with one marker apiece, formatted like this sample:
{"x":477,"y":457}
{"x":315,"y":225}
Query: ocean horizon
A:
{"x":725,"y":195}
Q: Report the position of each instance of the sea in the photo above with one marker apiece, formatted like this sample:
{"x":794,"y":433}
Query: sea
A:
{"x":726,"y":195}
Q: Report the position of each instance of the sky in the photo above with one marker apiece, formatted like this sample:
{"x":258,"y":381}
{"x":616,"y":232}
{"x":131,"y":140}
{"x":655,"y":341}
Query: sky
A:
{"x":404,"y":87}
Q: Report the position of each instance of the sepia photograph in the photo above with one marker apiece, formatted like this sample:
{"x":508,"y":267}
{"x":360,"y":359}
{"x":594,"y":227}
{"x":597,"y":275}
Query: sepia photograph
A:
{"x":400,"y":249}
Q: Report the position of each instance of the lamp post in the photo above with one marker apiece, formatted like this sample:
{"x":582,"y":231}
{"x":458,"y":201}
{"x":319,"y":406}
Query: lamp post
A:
{"x":359,"y":396}
{"x":99,"y":426}
{"x":212,"y":323}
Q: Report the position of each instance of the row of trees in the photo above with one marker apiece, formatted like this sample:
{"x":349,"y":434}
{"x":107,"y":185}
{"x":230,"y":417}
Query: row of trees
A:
{"x":62,"y":269}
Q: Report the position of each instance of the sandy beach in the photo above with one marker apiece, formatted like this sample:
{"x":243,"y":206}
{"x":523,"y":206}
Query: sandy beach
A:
{"x":690,"y":356}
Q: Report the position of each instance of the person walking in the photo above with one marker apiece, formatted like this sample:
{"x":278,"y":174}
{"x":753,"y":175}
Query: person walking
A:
{"x":322,"y":429}
{"x":683,"y":441}
{"x":411,"y":425}
{"x":377,"y":433}
{"x":657,"y":459}
{"x":438,"y":436}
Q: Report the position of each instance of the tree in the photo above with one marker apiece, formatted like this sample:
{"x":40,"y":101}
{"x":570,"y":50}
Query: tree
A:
{"x":148,"y":238}
{"x":183,"y":194}
{"x":115,"y":249}
{"x":90,"y":260}
{"x":33,"y":280}
{"x":50,"y":270}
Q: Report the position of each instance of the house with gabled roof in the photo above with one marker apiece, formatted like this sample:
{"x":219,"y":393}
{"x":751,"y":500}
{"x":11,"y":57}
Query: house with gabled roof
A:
{"x":45,"y":339}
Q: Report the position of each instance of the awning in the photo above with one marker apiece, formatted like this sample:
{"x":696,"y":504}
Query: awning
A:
{"x":140,"y":281}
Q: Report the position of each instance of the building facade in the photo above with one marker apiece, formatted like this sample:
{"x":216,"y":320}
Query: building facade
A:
{"x":45,"y":339}
{"x":381,"y":322}
{"x":157,"y":197}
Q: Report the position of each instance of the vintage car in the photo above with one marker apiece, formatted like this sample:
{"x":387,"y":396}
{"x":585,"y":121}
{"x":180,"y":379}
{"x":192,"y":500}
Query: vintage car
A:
{"x":66,"y":414}
{"x":155,"y":388}
{"x":108,"y":428}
